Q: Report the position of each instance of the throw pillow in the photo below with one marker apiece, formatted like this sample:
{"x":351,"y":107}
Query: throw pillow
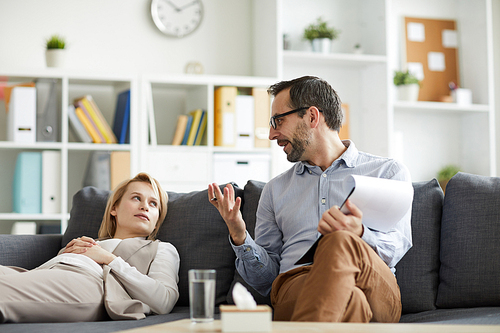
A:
{"x":418,"y":271}
{"x":470,"y":247}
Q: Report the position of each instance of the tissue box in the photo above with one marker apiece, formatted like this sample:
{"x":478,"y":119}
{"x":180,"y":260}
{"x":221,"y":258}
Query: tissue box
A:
{"x":236,"y":320}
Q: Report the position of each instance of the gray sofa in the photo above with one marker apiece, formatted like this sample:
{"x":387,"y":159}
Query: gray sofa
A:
{"x":451,"y":275}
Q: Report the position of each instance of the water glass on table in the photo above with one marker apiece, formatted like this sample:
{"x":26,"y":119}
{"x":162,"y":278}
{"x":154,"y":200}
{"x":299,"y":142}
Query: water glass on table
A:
{"x":201,"y":295}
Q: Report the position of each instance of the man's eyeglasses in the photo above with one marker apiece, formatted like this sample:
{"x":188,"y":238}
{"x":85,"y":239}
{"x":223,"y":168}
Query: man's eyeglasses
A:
{"x":272,"y":121}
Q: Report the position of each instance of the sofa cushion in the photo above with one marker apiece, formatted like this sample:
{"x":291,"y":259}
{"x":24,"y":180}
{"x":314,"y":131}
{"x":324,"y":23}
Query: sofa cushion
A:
{"x":201,"y":237}
{"x":470,"y":247}
{"x":192,"y":225}
{"x":418,"y":271}
{"x":86,"y":214}
{"x":251,"y":196}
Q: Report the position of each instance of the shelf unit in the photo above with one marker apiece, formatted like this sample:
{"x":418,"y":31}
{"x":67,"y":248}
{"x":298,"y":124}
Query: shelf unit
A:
{"x":189,"y":168}
{"x":70,"y":85}
{"x":425,"y":135}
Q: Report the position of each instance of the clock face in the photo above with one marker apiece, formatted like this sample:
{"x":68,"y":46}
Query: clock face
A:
{"x":177,"y":18}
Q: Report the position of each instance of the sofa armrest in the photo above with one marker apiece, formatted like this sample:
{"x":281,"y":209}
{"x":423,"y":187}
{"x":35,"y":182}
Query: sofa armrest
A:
{"x":28,"y":251}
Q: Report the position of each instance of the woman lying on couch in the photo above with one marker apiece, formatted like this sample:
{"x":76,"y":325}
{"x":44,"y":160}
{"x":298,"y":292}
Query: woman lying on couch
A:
{"x":126,"y":274}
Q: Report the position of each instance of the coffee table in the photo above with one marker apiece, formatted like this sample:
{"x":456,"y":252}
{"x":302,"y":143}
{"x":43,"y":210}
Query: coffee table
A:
{"x":185,"y":326}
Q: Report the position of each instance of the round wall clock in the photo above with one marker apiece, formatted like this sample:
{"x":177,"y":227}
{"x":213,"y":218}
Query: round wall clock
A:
{"x":177,"y":18}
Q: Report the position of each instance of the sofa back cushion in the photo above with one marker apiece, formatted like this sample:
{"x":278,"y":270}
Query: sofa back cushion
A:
{"x":192,"y":225}
{"x":418,"y":271}
{"x":470,"y":246}
{"x":251,"y":196}
{"x":86,"y":214}
{"x":201,"y":237}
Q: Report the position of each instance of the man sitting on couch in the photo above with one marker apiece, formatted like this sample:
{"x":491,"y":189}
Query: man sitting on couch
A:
{"x":352,"y":277}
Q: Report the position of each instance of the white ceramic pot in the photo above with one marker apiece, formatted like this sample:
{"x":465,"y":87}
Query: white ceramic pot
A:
{"x":321,"y":45}
{"x":408,"y":92}
{"x":55,"y":57}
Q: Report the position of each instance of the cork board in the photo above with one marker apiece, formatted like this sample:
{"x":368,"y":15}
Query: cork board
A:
{"x":432,"y":53}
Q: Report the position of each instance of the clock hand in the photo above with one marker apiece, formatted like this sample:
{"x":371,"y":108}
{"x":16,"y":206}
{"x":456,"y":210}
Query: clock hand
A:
{"x":187,"y":5}
{"x":177,"y":9}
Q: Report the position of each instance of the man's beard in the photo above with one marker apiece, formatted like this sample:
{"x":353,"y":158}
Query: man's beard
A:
{"x":299,"y":143}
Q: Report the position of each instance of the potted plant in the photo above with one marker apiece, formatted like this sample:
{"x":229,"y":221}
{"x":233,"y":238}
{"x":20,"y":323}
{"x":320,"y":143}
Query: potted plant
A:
{"x":55,"y":51}
{"x":408,"y":86}
{"x":445,"y":174}
{"x":320,"y":35}
{"x":357,"y":49}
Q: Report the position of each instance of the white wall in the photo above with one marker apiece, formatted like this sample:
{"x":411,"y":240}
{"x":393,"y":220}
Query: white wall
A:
{"x":119,"y":35}
{"x":496,"y":50}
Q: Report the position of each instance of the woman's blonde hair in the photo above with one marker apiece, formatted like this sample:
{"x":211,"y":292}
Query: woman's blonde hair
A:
{"x":108,"y":224}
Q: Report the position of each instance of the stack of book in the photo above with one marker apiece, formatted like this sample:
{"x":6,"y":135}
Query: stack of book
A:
{"x":89,"y":125}
{"x":190,"y":128}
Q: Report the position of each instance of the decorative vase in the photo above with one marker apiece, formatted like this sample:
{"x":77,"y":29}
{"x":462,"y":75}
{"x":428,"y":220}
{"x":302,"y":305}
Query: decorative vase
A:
{"x":55,"y":57}
{"x":408,"y":92}
{"x":321,"y":45}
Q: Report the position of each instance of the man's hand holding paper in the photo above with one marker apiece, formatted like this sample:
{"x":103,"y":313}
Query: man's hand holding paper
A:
{"x":334,"y":219}
{"x":383,"y":202}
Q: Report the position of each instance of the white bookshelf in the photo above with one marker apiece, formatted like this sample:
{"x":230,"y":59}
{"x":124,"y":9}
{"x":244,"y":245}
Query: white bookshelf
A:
{"x":70,"y":85}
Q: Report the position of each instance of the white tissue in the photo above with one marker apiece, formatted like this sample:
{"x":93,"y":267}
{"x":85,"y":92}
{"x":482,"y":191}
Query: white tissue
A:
{"x":242,"y":298}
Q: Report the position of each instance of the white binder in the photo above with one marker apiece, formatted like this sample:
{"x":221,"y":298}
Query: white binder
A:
{"x":245,"y":112}
{"x":21,"y":118}
{"x":51,"y":182}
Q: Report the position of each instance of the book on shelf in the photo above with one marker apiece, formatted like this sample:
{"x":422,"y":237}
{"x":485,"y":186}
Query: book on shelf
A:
{"x":180,"y":129}
{"x":224,"y":116}
{"x":106,"y":129}
{"x":187,"y":130}
{"x":119,"y":167}
{"x":88,"y":124}
{"x":91,"y":109}
{"x":77,"y":126}
{"x":199,"y":120}
{"x":27,"y":183}
{"x":262,"y":103}
{"x":201,"y":129}
{"x":121,"y":122}
{"x":344,"y":130}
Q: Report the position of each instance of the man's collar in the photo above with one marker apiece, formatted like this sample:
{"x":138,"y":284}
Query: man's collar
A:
{"x":350,"y":157}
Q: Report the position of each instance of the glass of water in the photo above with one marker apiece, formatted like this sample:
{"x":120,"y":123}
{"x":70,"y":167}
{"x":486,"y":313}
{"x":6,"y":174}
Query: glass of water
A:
{"x":201,"y":295}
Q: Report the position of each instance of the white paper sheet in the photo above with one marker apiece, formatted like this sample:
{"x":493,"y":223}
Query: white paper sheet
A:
{"x":449,"y":38}
{"x":383,"y":201}
{"x":435,"y":61}
{"x":416,"y":32}
{"x":417,"y":69}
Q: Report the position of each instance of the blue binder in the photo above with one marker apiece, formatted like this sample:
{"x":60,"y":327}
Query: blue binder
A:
{"x":121,"y":123}
{"x":27,"y":184}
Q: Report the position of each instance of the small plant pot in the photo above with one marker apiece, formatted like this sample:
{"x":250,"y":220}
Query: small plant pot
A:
{"x":55,"y":57}
{"x":408,"y":92}
{"x":321,"y":45}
